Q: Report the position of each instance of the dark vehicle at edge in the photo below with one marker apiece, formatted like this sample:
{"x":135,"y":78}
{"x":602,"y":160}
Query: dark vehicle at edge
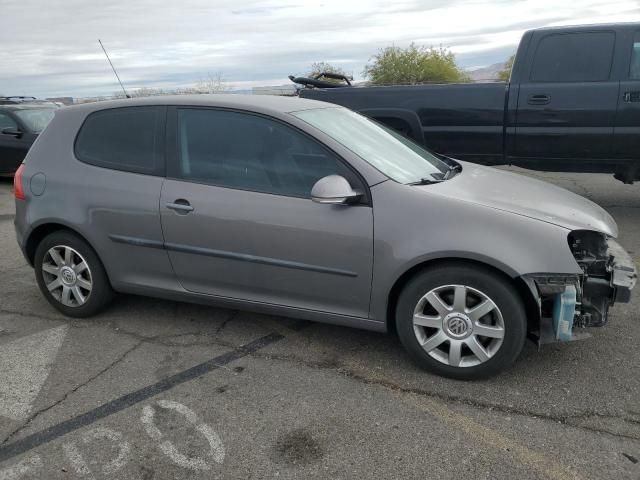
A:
{"x":572,"y":104}
{"x":20,"y":124}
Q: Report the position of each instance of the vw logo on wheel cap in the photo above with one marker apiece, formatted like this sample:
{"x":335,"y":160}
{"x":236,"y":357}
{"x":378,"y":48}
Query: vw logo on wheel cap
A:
{"x":68,"y":275}
{"x":457,"y":325}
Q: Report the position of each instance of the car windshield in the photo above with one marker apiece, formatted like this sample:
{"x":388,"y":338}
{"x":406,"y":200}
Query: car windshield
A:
{"x":36,"y":119}
{"x":394,"y":155}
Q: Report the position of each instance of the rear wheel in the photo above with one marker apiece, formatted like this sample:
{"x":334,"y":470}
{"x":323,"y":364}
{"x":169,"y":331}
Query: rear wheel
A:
{"x":71,"y":276}
{"x":461,"y":321}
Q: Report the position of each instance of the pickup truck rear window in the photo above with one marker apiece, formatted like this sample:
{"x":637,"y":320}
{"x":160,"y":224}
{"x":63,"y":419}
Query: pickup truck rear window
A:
{"x":573,"y":57}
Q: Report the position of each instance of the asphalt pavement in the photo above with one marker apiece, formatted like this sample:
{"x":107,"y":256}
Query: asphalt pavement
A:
{"x":154,"y":389}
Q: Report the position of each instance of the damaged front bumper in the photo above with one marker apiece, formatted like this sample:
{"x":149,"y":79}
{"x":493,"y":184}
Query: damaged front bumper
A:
{"x":624,"y":275}
{"x":568,"y":302}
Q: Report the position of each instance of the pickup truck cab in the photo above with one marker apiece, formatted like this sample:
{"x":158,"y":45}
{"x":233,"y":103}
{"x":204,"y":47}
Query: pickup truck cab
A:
{"x":572,"y":104}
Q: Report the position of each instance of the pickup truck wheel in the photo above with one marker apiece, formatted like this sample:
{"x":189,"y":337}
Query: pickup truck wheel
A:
{"x":461,"y":322}
{"x":71,"y":276}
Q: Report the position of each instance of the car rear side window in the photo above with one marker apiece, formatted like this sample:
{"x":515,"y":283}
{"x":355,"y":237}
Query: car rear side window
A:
{"x":573,"y":57}
{"x":128,"y":139}
{"x":634,"y":69}
{"x":251,"y":152}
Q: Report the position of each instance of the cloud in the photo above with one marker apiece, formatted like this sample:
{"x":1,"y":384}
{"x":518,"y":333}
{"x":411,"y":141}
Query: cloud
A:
{"x":51,"y":48}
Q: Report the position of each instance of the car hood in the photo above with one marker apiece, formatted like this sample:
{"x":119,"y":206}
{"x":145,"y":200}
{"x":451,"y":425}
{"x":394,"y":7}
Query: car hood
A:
{"x":525,"y":196}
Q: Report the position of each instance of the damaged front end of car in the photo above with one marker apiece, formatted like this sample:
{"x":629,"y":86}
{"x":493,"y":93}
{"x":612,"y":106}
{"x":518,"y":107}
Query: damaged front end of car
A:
{"x":567,"y":303}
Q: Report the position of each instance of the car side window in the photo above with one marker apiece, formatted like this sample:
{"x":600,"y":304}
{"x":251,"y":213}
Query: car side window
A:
{"x":573,"y":57}
{"x":634,"y":68}
{"x":128,"y":139}
{"x":251,"y":152}
{"x":7,"y":122}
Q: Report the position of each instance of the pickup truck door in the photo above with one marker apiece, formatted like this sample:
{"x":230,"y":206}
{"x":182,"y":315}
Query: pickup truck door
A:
{"x":627,"y":130}
{"x":567,"y":101}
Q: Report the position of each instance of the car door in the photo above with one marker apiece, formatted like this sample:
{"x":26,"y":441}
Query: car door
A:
{"x":239,"y":222}
{"x":627,"y":130}
{"x":567,"y":100}
{"x":12,"y":148}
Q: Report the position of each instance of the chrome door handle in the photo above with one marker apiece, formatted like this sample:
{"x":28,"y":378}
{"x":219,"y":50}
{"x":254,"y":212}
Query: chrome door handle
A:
{"x":538,"y":99}
{"x":180,"y":206}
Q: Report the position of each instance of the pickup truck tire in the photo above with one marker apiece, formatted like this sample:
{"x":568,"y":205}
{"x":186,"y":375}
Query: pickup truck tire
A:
{"x":71,"y":276}
{"x":461,"y":321}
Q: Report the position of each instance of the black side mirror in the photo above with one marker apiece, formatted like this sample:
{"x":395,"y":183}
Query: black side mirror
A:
{"x":13,"y":131}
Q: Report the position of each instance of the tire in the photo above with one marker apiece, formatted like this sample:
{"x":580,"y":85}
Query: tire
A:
{"x":440,"y":333}
{"x":59,"y":263}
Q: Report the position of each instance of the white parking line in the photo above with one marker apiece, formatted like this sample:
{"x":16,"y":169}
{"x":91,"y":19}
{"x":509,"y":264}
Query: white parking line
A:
{"x":23,"y":467}
{"x":24,"y":367}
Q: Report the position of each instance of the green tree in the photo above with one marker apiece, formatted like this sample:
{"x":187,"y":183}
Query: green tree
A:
{"x":324,"y":67}
{"x":412,"y":65}
{"x":505,"y":73}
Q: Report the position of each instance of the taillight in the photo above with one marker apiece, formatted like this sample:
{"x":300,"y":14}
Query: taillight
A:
{"x":18,"y":188}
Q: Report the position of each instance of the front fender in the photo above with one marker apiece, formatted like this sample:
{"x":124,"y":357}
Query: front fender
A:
{"x":431,"y":227}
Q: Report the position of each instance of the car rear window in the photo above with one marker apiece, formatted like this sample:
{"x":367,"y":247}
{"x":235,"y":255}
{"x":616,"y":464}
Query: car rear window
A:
{"x":573,"y":57}
{"x":128,"y":139}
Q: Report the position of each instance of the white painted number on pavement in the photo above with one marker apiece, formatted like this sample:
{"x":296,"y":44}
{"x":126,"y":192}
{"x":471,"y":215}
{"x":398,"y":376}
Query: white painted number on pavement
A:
{"x":90,"y":469}
{"x":216,"y":451}
{"x":81,"y":466}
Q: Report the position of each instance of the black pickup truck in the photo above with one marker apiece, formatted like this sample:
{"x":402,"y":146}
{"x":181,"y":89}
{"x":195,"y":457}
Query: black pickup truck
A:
{"x":572,"y":104}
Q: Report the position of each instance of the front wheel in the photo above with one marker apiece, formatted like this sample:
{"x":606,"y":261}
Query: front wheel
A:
{"x":461,"y":321}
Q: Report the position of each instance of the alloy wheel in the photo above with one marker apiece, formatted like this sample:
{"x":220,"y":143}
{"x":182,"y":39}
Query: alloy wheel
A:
{"x":458,"y":325}
{"x":67,"y":276}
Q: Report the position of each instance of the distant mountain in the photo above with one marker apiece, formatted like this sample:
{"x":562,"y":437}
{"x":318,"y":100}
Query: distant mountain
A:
{"x":486,"y":74}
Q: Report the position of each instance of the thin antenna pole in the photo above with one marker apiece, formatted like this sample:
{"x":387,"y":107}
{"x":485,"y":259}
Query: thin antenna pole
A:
{"x":114,"y":70}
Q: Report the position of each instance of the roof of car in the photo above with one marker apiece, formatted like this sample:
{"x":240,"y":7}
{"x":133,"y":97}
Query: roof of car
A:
{"x":28,"y":106}
{"x":263,"y":103}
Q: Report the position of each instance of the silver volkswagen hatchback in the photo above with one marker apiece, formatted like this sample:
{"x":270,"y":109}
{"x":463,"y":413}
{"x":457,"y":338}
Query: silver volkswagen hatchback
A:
{"x":300,"y":208}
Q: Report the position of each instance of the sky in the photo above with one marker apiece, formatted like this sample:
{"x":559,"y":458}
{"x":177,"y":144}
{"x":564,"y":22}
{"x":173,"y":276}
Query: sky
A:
{"x":50,"y":47}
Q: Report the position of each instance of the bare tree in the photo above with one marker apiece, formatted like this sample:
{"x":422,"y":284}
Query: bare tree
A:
{"x":211,"y":83}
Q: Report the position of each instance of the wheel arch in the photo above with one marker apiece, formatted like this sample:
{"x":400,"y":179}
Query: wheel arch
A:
{"x":530,"y":303}
{"x":38,"y":233}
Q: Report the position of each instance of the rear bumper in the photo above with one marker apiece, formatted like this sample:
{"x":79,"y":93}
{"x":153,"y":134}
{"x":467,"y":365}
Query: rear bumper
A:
{"x":21,"y":227}
{"x":623,"y":272}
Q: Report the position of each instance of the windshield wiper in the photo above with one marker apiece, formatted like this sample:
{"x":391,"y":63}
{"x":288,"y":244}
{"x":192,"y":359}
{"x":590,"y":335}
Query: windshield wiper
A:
{"x":426,"y":181}
{"x":457,"y":168}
